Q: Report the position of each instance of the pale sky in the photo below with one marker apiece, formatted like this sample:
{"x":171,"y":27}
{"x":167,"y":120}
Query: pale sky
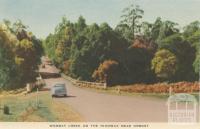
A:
{"x":43,"y":15}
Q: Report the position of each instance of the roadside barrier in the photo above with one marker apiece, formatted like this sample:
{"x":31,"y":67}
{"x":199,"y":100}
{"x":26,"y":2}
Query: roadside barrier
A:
{"x":85,"y":83}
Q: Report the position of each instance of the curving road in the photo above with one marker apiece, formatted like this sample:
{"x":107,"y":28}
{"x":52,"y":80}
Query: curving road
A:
{"x":102,"y":107}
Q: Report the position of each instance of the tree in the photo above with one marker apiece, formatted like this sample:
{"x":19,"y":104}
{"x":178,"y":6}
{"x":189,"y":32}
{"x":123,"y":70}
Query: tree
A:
{"x":156,"y":29}
{"x":59,"y":52}
{"x":191,"y":29}
{"x":66,"y":66}
{"x":168,"y":28}
{"x":164,"y":64}
{"x":131,"y":19}
{"x":57,"y":46}
{"x":91,"y":47}
{"x":50,"y":46}
{"x":196,"y":64}
{"x":17,"y":46}
{"x":79,"y":49}
{"x":80,"y":25}
{"x":159,"y":30}
{"x":146,"y":29}
{"x":27,"y":66}
{"x":8,"y":74}
{"x":191,"y":34}
{"x":64,"y":42}
{"x":185,"y":54}
{"x":137,"y":65}
{"x":18,"y":26}
{"x":196,"y":43}
{"x":107,"y":72}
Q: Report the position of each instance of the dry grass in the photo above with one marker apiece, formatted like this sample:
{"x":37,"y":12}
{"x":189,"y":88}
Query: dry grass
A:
{"x":66,"y":114}
{"x":16,"y":92}
{"x":180,"y":87}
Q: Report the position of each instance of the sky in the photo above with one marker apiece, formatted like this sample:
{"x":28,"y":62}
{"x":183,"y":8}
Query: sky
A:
{"x":42,"y":16}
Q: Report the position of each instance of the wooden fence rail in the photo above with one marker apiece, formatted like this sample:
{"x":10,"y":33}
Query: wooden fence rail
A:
{"x":85,"y":83}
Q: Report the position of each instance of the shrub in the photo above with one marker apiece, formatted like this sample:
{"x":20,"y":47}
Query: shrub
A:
{"x":107,"y":72}
{"x":6,"y":109}
{"x":164,"y":64}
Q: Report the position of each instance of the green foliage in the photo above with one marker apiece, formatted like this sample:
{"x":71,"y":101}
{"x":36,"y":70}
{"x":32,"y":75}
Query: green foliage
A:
{"x":57,"y":46}
{"x":194,"y":39}
{"x":27,"y":65}
{"x":191,"y":29}
{"x":130,"y":24}
{"x":135,"y":51}
{"x":80,"y":49}
{"x":185,"y":54}
{"x":196,"y":64}
{"x":192,"y":35}
{"x":20,"y":54}
{"x":85,"y":47}
{"x":159,"y":30}
{"x":167,"y":28}
{"x":7,"y":65}
{"x":92,"y":47}
{"x":137,"y":66}
{"x":164,"y":64}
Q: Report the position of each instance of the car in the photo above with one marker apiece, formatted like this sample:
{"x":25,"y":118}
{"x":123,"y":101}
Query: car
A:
{"x":59,"y":90}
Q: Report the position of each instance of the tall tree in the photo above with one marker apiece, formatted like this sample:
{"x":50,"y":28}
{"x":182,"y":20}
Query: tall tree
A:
{"x":168,"y":28}
{"x":27,"y":66}
{"x":131,"y":19}
{"x":7,"y":62}
{"x":191,"y":29}
{"x":17,"y":46}
{"x":93,"y":46}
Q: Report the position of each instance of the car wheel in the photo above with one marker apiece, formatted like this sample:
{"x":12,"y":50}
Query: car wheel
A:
{"x":65,"y":95}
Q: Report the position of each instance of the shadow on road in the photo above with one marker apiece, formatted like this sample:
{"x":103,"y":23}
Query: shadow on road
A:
{"x":69,"y":96}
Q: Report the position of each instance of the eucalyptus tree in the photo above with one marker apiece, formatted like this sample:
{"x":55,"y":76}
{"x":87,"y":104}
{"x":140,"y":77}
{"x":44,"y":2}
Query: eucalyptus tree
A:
{"x":131,"y":19}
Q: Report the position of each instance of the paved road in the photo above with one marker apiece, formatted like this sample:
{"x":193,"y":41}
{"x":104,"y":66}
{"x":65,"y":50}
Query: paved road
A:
{"x":101,"y":107}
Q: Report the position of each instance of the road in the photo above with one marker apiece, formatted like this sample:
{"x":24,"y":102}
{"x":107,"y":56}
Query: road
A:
{"x":102,"y":107}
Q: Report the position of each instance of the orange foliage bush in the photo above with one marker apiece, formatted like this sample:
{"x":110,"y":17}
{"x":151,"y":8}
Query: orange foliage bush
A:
{"x":141,"y":42}
{"x":66,"y":66}
{"x":106,"y":72}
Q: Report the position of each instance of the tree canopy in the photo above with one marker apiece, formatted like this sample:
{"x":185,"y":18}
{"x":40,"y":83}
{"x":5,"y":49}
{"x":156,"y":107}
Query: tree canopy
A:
{"x":142,"y":52}
{"x":164,"y":64}
{"x":20,"y":54}
{"x":135,"y":51}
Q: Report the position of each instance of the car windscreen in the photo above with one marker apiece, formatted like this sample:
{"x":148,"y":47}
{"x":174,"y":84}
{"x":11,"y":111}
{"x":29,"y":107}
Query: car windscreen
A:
{"x":60,"y":87}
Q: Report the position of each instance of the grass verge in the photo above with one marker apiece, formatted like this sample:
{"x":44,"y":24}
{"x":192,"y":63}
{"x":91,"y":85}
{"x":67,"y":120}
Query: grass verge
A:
{"x":36,"y":107}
